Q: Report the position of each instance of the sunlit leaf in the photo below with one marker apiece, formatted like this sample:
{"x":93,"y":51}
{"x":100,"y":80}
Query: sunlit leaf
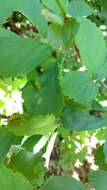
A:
{"x":35,"y":125}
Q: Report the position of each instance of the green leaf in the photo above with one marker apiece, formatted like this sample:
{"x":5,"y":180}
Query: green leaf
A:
{"x":62,"y":35}
{"x":54,"y":35}
{"x":52,"y":18}
{"x":11,"y":180}
{"x":46,"y":99}
{"x":39,"y":125}
{"x":31,"y":9}
{"x":91,"y":45}
{"x":59,"y":7}
{"x":98,"y":180}
{"x":79,"y":86}
{"x":6,"y":140}
{"x":78,"y":119}
{"x":69,"y":30}
{"x":62,"y":183}
{"x":102,"y":3}
{"x":103,"y":72}
{"x":100,"y":158}
{"x":30,"y":142}
{"x":39,"y":171}
{"x":79,"y":8}
{"x":25,"y":162}
{"x":18,"y":55}
{"x":105,"y":151}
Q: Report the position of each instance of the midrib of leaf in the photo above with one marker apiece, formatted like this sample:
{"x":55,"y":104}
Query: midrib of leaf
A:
{"x":61,"y":7}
